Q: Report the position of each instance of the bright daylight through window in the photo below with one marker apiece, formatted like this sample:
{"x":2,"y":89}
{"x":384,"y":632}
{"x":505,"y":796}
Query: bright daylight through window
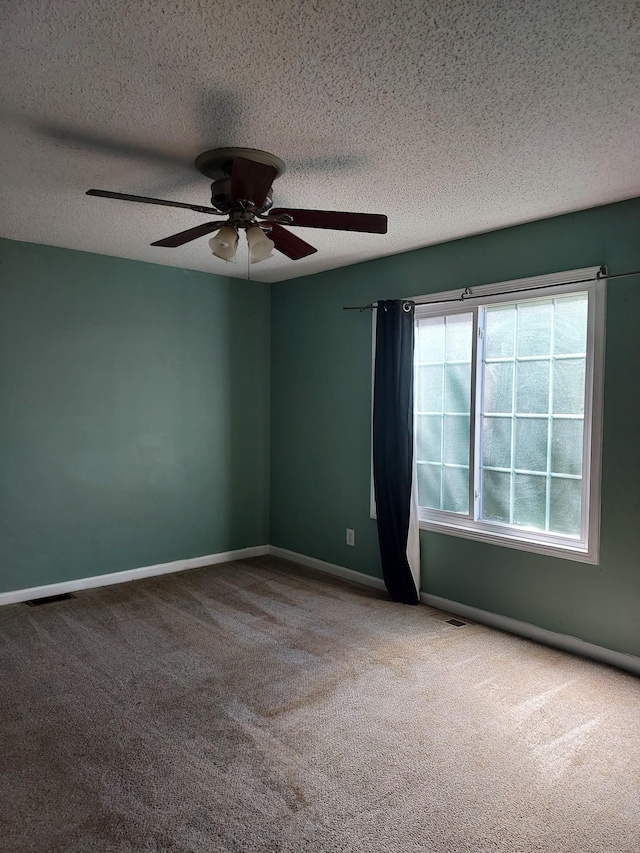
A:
{"x":507,"y":416}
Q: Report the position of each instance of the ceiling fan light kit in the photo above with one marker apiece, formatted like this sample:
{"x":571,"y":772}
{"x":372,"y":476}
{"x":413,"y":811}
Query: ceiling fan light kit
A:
{"x":260,"y":246}
{"x":242,"y":190}
{"x":225,"y":243}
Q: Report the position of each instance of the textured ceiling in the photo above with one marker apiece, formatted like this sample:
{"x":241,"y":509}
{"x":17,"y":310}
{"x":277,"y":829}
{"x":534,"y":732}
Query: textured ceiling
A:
{"x":452,"y":116}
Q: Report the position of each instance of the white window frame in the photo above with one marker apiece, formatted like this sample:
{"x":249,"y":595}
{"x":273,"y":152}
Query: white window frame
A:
{"x":586,"y":547}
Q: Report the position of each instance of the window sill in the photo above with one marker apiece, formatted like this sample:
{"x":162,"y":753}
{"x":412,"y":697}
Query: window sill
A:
{"x":520,"y":542}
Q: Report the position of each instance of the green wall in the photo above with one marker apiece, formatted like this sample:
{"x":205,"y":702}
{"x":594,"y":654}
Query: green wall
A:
{"x":135,"y":414}
{"x":321,"y":404}
{"x":134,"y":423}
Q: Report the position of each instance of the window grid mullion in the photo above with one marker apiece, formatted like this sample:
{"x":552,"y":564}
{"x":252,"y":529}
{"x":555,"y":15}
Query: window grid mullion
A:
{"x":500,"y":470}
{"x":473,"y":413}
{"x":539,"y":415}
{"x":478,"y":380}
{"x":561,"y":357}
{"x":512,"y":476}
{"x":442,"y":399}
{"x":438,"y":363}
{"x":547,"y":496}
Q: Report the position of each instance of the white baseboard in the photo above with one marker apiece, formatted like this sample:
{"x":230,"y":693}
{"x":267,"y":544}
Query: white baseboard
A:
{"x":630,"y":663}
{"x":565,"y":642}
{"x":329,"y":568}
{"x":15,"y":596}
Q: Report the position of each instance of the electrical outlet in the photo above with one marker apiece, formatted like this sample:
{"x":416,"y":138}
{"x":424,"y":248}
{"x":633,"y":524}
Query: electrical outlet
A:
{"x":351,"y":536}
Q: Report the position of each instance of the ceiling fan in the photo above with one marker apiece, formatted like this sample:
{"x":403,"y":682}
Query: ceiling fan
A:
{"x":242,"y":191}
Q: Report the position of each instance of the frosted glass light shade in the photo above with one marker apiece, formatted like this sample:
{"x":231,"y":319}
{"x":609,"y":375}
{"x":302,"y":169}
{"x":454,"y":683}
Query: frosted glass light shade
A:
{"x":260,"y":246}
{"x":224,"y":243}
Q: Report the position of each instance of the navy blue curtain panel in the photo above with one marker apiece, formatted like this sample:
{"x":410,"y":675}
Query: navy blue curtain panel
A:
{"x":393,"y":443}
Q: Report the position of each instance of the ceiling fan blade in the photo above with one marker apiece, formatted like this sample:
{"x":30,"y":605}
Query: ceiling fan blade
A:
{"x":146,"y":200}
{"x":190,"y":234}
{"x":287,"y":243}
{"x":251,"y":181}
{"x":372,"y":223}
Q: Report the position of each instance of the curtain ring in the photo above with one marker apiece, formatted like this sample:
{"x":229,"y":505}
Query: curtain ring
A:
{"x":407,"y":306}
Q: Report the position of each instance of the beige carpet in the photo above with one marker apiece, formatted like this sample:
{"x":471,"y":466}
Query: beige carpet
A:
{"x":258,"y":706}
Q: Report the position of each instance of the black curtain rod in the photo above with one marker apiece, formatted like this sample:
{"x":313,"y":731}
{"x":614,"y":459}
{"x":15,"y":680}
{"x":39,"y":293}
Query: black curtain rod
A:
{"x":467,"y":294}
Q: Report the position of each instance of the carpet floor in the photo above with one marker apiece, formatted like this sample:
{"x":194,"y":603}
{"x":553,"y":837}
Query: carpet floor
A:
{"x":259,"y":706}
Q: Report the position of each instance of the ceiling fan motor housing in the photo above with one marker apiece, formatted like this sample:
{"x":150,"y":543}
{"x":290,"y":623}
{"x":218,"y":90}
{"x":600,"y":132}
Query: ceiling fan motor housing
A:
{"x":221,"y":197}
{"x":218,"y":164}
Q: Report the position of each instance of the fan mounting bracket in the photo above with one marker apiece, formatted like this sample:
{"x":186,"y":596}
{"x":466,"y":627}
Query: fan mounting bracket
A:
{"x":217,"y":163}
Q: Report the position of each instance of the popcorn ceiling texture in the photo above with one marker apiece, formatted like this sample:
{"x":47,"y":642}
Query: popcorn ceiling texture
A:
{"x":450,"y":117}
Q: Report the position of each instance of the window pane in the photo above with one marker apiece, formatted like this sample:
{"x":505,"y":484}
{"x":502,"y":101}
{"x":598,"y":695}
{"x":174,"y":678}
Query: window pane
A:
{"x":455,"y":483}
{"x":443,"y":386}
{"x":566,"y":503}
{"x":571,"y":325}
{"x":457,"y":395}
{"x":456,"y":439}
{"x":498,"y":386}
{"x":500,"y":326}
{"x":529,"y":500}
{"x":534,"y":328}
{"x":537,"y":335}
{"x":568,"y":386}
{"x":532,"y":387}
{"x":496,"y":442}
{"x":429,"y":485}
{"x":429,"y":343}
{"x":496,"y":495}
{"x":459,"y":329}
{"x":429,"y":382}
{"x":566,"y":446}
{"x":531,"y":444}
{"x":429,"y":438}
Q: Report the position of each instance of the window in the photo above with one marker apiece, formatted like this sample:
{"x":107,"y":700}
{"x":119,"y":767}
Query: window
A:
{"x":507,"y":410}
